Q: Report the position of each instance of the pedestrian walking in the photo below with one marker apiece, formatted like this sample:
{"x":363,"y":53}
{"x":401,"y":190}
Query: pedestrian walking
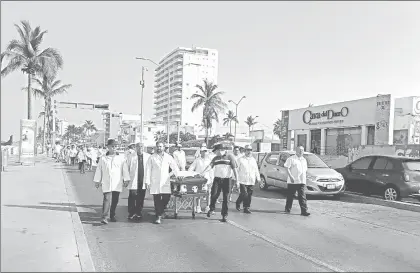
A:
{"x":82,"y":158}
{"x":48,"y":149}
{"x":136,"y":162}
{"x":157,"y":178}
{"x":236,"y":154}
{"x":198,"y":152}
{"x":296,"y":180}
{"x":73,"y":154}
{"x":248,"y":173}
{"x":112,"y":174}
{"x":179,"y":156}
{"x":199,"y":165}
{"x":131,"y":149}
{"x":57,"y":151}
{"x":223,"y":164}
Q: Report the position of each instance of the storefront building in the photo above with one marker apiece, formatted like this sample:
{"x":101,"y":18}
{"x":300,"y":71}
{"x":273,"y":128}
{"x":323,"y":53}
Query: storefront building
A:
{"x":334,"y":128}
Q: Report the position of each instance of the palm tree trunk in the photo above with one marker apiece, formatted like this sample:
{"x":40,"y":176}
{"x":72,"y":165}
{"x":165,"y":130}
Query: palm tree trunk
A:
{"x":44,"y":132}
{"x":230,"y":127}
{"x":29,"y":96}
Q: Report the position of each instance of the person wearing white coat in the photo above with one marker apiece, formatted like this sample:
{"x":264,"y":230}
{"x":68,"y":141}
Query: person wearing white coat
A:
{"x":199,"y":165}
{"x":136,"y":162}
{"x":112,"y":174}
{"x":157,"y":178}
{"x":248,"y":173}
{"x":179,"y":156}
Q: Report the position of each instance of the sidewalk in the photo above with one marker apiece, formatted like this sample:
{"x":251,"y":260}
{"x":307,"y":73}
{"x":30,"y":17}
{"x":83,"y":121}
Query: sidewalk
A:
{"x":35,"y":235}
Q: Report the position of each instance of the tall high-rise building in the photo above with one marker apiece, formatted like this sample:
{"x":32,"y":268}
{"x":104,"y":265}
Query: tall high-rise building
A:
{"x":178,"y":74}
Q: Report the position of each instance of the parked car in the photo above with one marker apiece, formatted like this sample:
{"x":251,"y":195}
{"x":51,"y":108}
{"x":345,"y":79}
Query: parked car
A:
{"x":259,"y":156}
{"x":391,"y":177}
{"x":320,"y":179}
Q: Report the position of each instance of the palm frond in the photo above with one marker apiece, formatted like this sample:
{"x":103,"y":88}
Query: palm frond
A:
{"x":13,"y":65}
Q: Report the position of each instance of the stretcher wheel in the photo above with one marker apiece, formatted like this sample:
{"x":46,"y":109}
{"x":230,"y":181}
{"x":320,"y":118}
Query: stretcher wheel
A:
{"x":193,"y":215}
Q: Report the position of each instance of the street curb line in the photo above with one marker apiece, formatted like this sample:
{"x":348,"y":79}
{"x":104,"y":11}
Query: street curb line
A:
{"x":386,"y":203}
{"x":287,"y":248}
{"x":84,"y":255}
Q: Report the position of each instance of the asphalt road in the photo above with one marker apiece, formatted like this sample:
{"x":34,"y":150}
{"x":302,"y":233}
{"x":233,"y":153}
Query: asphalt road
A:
{"x":339,"y":236}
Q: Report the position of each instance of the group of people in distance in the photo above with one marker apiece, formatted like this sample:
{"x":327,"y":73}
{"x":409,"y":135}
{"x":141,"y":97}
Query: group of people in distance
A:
{"x":141,"y":172}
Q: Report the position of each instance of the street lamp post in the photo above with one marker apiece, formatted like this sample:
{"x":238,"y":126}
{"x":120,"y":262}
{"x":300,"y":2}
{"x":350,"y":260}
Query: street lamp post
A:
{"x":169,"y":98}
{"x":236,"y":112}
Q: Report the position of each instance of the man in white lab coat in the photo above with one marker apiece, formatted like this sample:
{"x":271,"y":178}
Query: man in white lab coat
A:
{"x":112,"y":174}
{"x":136,"y":162}
{"x":248,"y":173}
{"x":179,"y":156}
{"x":199,"y":165}
{"x":157,"y":178}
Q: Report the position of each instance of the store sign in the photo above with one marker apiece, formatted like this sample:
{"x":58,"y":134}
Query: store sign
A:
{"x":311,"y":118}
{"x":284,"y":128}
{"x":27,"y":141}
{"x":417,"y":106}
{"x":383,"y":120}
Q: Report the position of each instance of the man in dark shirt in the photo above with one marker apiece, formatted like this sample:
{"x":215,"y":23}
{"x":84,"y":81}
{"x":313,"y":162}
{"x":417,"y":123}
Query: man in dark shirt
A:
{"x":224,"y":164}
{"x":136,"y":164}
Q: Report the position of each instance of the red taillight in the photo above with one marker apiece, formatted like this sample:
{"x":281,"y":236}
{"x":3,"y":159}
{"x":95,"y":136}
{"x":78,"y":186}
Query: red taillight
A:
{"x":406,"y":177}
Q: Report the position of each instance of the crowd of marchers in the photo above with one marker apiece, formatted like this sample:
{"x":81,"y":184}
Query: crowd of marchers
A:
{"x":225,"y":171}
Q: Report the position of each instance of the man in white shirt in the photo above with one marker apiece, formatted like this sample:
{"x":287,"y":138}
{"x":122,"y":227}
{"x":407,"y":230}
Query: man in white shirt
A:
{"x":296,"y":180}
{"x":73,"y":154}
{"x":236,"y":154}
{"x":248,"y":173}
{"x":57,"y":151}
{"x":157,"y":178}
{"x":112,"y":174}
{"x":199,"y":165}
{"x":179,"y":156}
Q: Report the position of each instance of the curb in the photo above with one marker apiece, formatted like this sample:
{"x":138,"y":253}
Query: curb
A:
{"x":386,"y":203}
{"x":84,"y":255}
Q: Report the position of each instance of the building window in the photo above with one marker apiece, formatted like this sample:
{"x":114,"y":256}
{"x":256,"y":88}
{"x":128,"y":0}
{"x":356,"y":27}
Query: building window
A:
{"x":370,"y":135}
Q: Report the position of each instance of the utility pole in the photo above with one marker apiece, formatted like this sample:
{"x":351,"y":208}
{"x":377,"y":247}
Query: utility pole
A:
{"x":178,"y":126}
{"x":169,"y":105}
{"x":141,"y":111}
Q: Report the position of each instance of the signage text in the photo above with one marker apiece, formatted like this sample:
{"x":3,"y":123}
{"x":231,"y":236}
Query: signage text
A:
{"x":309,"y":116}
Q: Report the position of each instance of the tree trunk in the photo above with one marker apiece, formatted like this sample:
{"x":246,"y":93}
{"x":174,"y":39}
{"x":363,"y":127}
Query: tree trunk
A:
{"x":43,"y":130}
{"x":29,"y":96}
{"x":230,"y":127}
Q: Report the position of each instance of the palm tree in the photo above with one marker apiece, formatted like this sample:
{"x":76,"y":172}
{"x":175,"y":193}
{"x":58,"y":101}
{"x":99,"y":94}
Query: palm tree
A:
{"x":230,"y":117}
{"x":71,"y":132}
{"x":25,"y":54}
{"x":211,"y":101}
{"x":160,"y":135}
{"x":48,"y":87}
{"x":277,"y":127}
{"x":250,"y":121}
{"x":89,"y":127}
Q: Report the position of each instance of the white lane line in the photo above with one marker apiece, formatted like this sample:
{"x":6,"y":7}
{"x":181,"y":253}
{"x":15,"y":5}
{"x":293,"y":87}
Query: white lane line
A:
{"x":287,"y":248}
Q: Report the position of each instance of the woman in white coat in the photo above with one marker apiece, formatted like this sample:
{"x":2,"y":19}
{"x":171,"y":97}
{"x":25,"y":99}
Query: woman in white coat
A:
{"x":199,"y":165}
{"x":157,"y":178}
{"x":112,"y":174}
{"x":136,"y":162}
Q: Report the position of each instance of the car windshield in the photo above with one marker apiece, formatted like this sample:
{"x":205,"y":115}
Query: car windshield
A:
{"x":314,"y":161}
{"x":412,"y":165}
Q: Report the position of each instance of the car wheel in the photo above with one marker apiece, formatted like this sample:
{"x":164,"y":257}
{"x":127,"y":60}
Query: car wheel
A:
{"x":263,"y":184}
{"x":391,"y":193}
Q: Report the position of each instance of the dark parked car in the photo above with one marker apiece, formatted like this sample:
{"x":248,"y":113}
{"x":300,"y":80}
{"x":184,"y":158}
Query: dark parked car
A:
{"x":391,"y":177}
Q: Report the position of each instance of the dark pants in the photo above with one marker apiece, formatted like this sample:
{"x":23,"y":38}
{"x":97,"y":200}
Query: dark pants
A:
{"x":245,"y":195}
{"x":291,"y":191}
{"x":161,"y":201}
{"x":72,"y":160}
{"x":136,"y":201}
{"x":82,"y":166}
{"x":110,"y":204}
{"x":220,"y":185}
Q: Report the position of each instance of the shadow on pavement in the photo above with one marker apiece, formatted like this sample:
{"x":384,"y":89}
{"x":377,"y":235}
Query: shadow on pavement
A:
{"x":66,"y":208}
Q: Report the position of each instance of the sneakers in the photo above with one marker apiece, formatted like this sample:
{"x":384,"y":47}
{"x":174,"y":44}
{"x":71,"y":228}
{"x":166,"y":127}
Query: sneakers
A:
{"x":247,"y":211}
{"x":158,"y":220}
{"x":305,"y":213}
{"x":287,"y":211}
{"x":132,"y":217}
{"x":113,"y":219}
{"x":104,"y":221}
{"x":224,"y":219}
{"x":238,"y":207}
{"x":207,"y":209}
{"x":210,"y":213}
{"x":198,"y":210}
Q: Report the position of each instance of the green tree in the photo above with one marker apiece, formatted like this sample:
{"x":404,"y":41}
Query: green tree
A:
{"x":230,"y":117}
{"x":89,"y":127}
{"x":250,"y":121}
{"x":47,"y":87}
{"x":25,"y":54}
{"x":277,"y":127}
{"x":211,"y":102}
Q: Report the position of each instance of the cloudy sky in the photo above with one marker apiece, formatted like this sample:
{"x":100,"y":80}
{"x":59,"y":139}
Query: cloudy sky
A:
{"x":281,"y":55}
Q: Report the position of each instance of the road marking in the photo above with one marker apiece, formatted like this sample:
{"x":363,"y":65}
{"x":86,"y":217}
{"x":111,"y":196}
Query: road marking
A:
{"x":287,"y":248}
